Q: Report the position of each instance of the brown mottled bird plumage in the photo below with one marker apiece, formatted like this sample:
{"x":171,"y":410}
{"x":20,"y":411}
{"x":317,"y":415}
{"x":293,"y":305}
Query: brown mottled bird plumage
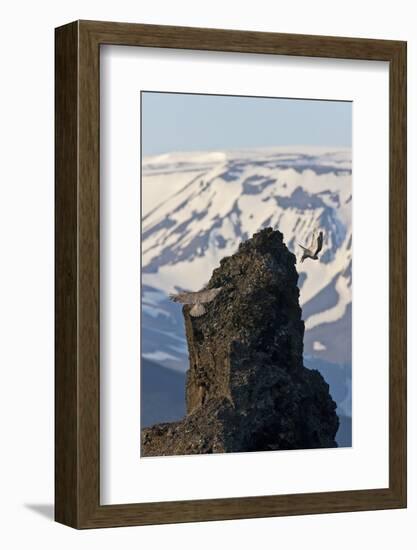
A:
{"x":196,"y":299}
{"x":313,"y":251}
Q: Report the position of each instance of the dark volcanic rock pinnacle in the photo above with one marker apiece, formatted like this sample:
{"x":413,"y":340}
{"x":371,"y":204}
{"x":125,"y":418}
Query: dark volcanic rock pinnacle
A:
{"x":247,"y":388}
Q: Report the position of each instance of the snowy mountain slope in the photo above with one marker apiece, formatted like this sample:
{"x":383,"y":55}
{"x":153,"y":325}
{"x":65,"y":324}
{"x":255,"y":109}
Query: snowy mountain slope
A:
{"x":198,"y":207}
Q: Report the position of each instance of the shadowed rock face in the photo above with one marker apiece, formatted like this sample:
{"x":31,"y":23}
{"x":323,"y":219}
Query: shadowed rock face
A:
{"x":247,"y":388}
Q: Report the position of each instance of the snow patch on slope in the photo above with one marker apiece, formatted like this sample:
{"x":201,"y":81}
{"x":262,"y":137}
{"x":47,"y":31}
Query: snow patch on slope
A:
{"x":198,"y":207}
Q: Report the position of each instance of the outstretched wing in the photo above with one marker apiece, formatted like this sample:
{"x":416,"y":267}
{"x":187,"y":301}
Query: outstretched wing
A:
{"x":202,"y":296}
{"x":208,"y":295}
{"x":184,"y":297}
{"x":313,"y":240}
{"x":319,"y":243}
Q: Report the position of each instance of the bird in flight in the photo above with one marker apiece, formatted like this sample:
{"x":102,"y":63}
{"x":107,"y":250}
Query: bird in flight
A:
{"x":314,"y":249}
{"x":196,"y":299}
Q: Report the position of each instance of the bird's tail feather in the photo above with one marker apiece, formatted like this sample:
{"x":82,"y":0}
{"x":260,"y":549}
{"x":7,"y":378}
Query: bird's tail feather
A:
{"x":197,"y":310}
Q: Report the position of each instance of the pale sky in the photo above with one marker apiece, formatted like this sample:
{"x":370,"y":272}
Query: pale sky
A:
{"x":198,"y":122}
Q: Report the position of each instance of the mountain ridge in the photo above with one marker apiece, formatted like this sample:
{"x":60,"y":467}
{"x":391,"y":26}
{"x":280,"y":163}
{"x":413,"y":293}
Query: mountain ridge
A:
{"x":215,"y":201}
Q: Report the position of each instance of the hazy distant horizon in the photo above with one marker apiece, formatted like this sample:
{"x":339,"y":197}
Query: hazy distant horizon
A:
{"x":174,"y":122}
{"x":290,"y":149}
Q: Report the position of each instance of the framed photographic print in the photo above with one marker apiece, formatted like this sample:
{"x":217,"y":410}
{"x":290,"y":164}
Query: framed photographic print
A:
{"x":230,"y":274}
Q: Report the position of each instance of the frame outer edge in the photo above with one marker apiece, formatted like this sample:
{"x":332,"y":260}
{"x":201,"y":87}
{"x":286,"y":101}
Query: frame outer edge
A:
{"x":398,"y":274}
{"x":77,"y":275}
{"x":88,"y":274}
{"x":66,"y":269}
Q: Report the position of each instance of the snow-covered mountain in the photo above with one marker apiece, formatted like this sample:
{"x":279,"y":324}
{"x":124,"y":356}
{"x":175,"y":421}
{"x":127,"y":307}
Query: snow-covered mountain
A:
{"x":198,"y":207}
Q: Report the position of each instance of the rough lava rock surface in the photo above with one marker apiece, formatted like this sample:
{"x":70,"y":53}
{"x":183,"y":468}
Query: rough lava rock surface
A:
{"x":247,"y":388}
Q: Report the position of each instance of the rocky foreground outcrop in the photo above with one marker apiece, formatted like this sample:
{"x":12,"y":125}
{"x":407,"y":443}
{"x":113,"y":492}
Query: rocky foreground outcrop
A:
{"x":247,"y":388}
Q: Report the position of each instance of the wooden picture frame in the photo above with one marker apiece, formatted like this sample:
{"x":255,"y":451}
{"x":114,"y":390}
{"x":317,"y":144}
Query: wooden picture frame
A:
{"x":77,"y":382}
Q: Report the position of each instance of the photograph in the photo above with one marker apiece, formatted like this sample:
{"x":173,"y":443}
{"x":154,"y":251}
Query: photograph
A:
{"x":246,"y":274}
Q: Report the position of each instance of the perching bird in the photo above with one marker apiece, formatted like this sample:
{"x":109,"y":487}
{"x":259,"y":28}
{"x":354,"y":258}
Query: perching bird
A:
{"x":197,"y":299}
{"x":314,"y":249}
